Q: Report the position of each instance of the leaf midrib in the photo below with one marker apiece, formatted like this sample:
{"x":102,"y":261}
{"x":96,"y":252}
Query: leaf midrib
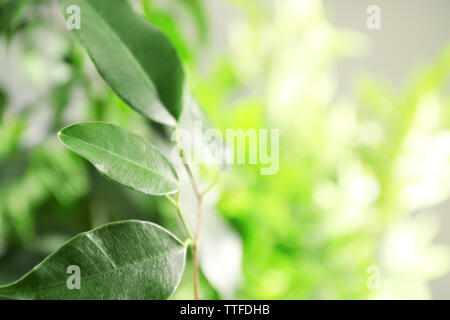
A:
{"x":121,"y":157}
{"x":55,"y":284}
{"x":135,"y":60}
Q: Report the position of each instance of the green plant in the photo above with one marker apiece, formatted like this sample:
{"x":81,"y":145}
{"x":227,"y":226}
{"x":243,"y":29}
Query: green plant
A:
{"x":360,"y":171}
{"x":128,"y":259}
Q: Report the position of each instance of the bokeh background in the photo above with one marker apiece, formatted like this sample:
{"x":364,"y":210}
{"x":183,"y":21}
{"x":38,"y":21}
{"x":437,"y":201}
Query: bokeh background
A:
{"x":364,"y":121}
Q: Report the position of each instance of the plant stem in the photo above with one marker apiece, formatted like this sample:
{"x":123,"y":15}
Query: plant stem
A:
{"x":195,"y":246}
{"x":195,"y":239}
{"x":194,"y":184}
{"x":176,"y":204}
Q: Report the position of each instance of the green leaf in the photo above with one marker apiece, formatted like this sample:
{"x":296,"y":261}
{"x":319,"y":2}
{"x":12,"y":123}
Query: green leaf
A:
{"x":121,"y":260}
{"x":197,"y":10}
{"x":10,"y":16}
{"x":122,"y":156}
{"x":170,"y":25}
{"x":3,"y":103}
{"x":135,"y":58}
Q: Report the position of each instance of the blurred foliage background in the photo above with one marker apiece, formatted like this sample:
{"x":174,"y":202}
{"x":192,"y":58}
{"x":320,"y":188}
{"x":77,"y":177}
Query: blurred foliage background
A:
{"x":360,"y":174}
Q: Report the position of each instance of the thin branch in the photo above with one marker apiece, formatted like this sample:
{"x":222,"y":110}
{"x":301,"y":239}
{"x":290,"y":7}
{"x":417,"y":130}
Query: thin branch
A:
{"x":199,"y":196}
{"x":196,"y":247}
{"x":193,"y":182}
{"x":180,"y":214}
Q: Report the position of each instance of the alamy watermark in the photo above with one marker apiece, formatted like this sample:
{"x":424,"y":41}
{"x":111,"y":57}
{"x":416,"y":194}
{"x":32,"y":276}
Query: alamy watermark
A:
{"x":374,"y":280}
{"x":74,"y":280}
{"x":74,"y":17}
{"x":252,"y":146}
{"x":374,"y":19}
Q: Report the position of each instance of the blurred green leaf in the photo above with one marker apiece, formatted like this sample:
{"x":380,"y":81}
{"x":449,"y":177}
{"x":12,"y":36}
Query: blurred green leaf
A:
{"x":196,"y":9}
{"x":10,"y":134}
{"x":122,"y":156}
{"x":3,"y":102}
{"x":135,"y":58}
{"x":10,"y":12}
{"x":108,"y":268}
{"x":171,"y":27}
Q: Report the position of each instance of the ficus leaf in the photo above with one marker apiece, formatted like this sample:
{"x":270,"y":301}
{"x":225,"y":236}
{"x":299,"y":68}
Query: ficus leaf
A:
{"x":122,"y":156}
{"x":120,"y":260}
{"x":135,"y":58}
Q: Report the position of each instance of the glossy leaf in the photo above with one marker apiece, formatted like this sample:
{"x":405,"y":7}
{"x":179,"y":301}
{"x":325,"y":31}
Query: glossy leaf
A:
{"x":135,"y":58}
{"x":121,"y":260}
{"x":122,"y":156}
